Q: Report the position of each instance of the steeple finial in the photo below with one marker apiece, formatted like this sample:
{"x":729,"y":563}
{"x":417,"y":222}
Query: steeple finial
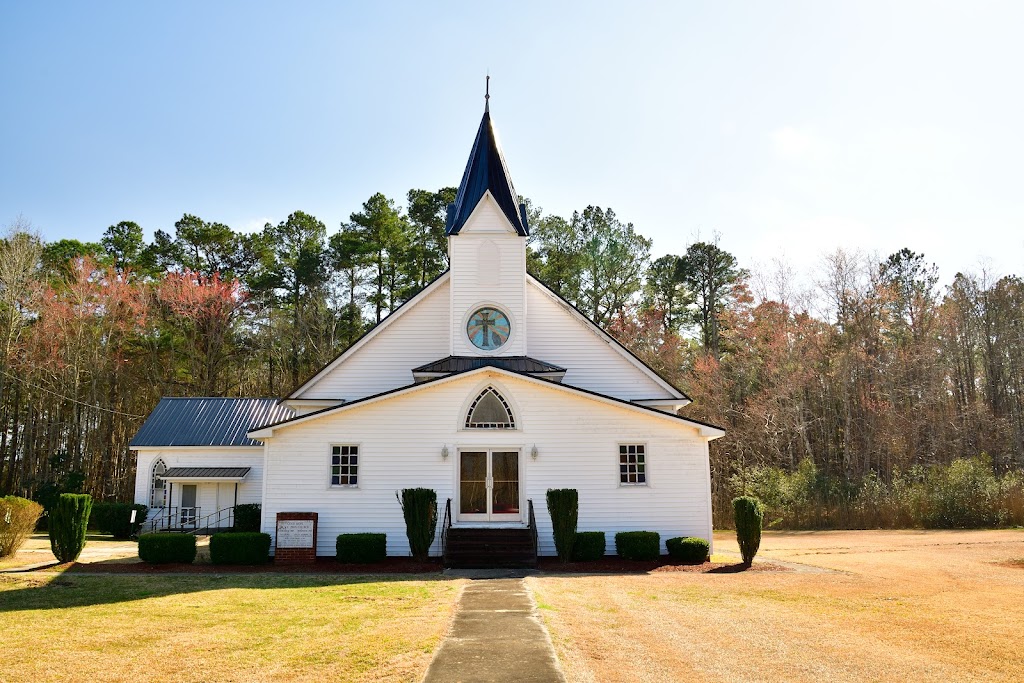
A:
{"x":487,"y":93}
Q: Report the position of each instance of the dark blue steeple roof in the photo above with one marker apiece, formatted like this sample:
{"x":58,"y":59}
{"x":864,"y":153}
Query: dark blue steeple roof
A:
{"x":486,"y":170}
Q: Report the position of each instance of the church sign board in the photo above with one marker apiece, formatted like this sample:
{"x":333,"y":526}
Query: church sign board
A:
{"x":295,"y":538}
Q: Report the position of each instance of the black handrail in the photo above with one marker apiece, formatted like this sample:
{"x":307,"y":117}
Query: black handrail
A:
{"x":190,"y":519}
{"x":533,"y":527}
{"x":446,"y":524}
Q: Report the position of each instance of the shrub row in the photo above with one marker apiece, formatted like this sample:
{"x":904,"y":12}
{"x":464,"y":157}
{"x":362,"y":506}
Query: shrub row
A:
{"x":116,"y":518}
{"x":588,"y":546}
{"x":638,"y":545}
{"x":361,"y":548}
{"x":240,"y":547}
{"x":163,"y":548}
{"x":247,"y":517}
{"x":688,"y":549}
{"x":18,"y":517}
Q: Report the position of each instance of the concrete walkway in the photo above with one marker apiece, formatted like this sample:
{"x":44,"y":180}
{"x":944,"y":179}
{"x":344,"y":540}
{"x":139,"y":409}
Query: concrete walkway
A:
{"x":496,"y":636}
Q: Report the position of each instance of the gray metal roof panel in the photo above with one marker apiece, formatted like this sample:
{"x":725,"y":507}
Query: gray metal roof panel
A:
{"x":463,"y":363}
{"x":208,"y":421}
{"x":206,"y":472}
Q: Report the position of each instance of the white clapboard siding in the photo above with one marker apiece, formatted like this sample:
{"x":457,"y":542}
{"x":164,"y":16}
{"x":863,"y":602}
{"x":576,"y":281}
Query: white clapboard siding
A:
{"x":400,"y":441}
{"x":250,"y":489}
{"x":418,"y":336}
{"x":592,"y":362}
{"x":488,"y":267}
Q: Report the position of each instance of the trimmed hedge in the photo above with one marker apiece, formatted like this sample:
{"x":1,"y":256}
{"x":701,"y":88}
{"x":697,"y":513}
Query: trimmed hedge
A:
{"x":638,"y":545}
{"x":240,"y":547}
{"x":688,"y":549}
{"x":588,"y":546}
{"x":564,"y":509}
{"x":247,"y":517}
{"x":115,"y":518}
{"x":419,"y":508}
{"x":749,"y":518}
{"x":361,"y":548}
{"x":69,"y":521}
{"x":161,"y":548}
{"x":18,"y":517}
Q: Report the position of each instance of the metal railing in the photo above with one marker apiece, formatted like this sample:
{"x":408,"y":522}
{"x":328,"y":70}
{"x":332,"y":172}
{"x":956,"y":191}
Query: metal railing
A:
{"x":446,"y":524}
{"x":532,"y":526}
{"x":189,"y":520}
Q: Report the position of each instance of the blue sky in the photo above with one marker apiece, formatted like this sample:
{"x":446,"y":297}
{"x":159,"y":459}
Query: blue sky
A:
{"x":789,"y":128}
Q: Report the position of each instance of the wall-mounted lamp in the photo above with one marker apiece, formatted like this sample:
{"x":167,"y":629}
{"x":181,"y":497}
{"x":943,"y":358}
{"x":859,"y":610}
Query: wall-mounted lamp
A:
{"x":534,"y":452}
{"x":444,"y":452}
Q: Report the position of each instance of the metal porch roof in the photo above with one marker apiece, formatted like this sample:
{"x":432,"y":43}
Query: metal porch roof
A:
{"x":513,"y":363}
{"x":206,"y":473}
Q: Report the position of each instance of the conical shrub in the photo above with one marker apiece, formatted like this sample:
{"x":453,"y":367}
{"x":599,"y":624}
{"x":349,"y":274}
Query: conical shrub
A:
{"x":749,"y":517}
{"x":69,"y":520}
{"x":564,"y":509}
{"x":419,"y":507}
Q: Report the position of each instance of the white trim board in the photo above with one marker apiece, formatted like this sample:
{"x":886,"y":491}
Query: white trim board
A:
{"x":704,"y":430}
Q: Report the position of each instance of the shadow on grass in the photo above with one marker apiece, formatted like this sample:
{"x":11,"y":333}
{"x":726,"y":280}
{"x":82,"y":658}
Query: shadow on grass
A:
{"x":70,"y":590}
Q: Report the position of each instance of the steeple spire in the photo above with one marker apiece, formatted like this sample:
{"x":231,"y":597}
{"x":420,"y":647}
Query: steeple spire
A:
{"x":486,"y":172}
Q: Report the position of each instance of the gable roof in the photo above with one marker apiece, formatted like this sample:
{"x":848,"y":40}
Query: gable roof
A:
{"x":612,"y":341}
{"x":705,"y":428}
{"x":208,"y":421}
{"x":486,"y":171}
{"x":370,"y":334}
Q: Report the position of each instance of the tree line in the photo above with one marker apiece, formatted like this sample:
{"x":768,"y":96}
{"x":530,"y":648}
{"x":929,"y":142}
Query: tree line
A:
{"x":872,"y":371}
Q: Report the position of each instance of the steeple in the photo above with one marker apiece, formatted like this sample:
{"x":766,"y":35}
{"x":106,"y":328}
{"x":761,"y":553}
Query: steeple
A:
{"x":486,"y":171}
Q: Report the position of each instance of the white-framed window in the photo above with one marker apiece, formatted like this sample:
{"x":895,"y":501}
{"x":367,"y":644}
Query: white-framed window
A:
{"x":344,"y":465}
{"x":632,"y":464}
{"x":157,"y":486}
{"x":490,"y":410}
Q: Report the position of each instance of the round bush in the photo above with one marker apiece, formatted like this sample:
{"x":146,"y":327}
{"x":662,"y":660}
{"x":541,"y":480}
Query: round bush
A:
{"x":18,"y":517}
{"x":361,"y":548}
{"x":688,"y":549}
{"x":588,"y":546}
{"x":162,"y":548}
{"x":240,"y":547}
{"x":638,"y":545}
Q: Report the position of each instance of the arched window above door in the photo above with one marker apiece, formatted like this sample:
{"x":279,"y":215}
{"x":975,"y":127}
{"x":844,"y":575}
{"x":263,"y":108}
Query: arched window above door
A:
{"x":157,"y":488}
{"x":490,"y":411}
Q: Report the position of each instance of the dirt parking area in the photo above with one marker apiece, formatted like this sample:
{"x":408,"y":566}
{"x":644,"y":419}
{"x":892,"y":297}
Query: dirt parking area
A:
{"x":868,"y":606}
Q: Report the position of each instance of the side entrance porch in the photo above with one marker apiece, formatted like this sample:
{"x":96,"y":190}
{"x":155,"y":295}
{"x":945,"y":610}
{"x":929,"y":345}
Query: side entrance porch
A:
{"x":198,"y":499}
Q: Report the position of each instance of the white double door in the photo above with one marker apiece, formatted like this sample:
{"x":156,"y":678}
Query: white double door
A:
{"x":489,"y":486}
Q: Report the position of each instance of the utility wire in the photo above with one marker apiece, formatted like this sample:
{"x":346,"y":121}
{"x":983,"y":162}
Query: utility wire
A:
{"x":30,"y":385}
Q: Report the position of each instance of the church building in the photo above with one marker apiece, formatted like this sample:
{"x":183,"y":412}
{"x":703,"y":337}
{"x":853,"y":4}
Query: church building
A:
{"x":486,"y":387}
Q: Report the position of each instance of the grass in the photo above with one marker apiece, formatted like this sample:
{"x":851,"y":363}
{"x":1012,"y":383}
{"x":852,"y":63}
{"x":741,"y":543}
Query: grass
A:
{"x":223,"y":628}
{"x":859,"y":606}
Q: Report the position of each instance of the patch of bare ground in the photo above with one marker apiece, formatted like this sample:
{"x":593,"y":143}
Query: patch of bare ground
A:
{"x":913,"y":605}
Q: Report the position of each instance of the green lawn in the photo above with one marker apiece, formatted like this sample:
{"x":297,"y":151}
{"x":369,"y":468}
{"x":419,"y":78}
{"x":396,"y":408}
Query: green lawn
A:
{"x":223,"y":628}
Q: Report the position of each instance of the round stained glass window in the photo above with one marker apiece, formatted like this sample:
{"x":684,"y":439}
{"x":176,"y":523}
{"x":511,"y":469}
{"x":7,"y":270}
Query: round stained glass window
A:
{"x":488,"y":328}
